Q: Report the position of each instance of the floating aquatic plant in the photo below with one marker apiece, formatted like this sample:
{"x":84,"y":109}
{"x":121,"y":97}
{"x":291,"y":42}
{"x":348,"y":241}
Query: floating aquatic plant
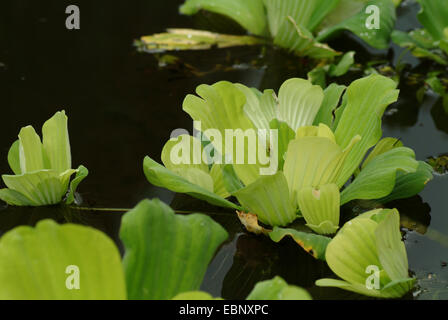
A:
{"x":166,"y":256}
{"x":430,"y":42}
{"x":321,"y":144}
{"x":42,"y":169}
{"x":297,"y":25}
{"x":368,"y":254}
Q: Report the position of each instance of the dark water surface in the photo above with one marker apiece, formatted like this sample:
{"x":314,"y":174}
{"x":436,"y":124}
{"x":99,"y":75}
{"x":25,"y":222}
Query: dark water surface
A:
{"x":122,"y":106}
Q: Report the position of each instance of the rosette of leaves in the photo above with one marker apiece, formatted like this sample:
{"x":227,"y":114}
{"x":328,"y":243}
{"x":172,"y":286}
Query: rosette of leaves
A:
{"x":166,"y":256}
{"x":431,"y":41}
{"x":42,"y":169}
{"x":321,"y":145}
{"x":370,"y":257}
{"x":296,"y":25}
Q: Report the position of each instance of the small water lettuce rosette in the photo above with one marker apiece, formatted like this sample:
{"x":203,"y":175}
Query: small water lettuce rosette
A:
{"x":370,"y":257}
{"x":42,"y":169}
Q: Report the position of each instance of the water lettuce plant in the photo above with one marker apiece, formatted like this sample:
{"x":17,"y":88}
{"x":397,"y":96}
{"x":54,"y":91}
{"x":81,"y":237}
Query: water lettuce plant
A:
{"x":431,"y":41}
{"x":296,"y":25}
{"x":166,"y":256}
{"x":323,"y":154}
{"x":42,"y":169}
{"x":370,"y":257}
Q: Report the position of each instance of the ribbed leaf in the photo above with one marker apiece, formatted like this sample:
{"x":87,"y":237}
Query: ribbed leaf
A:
{"x":219,"y":186}
{"x":160,"y":176}
{"x":343,"y":11}
{"x":299,"y":102}
{"x":304,"y":12}
{"x":14,"y":157}
{"x":250,"y":14}
{"x":381,"y":147}
{"x":377,"y":38}
{"x":56,"y":144}
{"x":391,"y":250}
{"x":268,"y":198}
{"x":45,"y":187}
{"x":312,"y":162}
{"x":81,"y":174}
{"x":312,"y":243}
{"x":370,"y":240}
{"x":332,"y":96}
{"x":260,"y":108}
{"x":410,"y":184}
{"x":166,"y":254}
{"x":15,"y":198}
{"x":377,"y":179}
{"x":367,"y":98}
{"x":277,"y":289}
{"x":30,"y":150}
{"x":320,"y":208}
{"x":183,"y":152}
{"x":34,"y":263}
{"x":298,"y":39}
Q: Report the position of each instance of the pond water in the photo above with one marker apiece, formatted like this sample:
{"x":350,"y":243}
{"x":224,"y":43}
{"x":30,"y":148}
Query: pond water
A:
{"x":123,"y":106}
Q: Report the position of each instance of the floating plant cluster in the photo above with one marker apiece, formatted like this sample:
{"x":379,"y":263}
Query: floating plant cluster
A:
{"x":284,"y":162}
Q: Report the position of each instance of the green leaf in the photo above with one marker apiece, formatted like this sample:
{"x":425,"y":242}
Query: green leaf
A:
{"x":190,"y":39}
{"x":166,"y":254}
{"x":367,"y":98}
{"x":268,"y":198}
{"x":332,"y":96}
{"x":312,"y":243}
{"x":371,"y":240}
{"x":219,"y":186}
{"x":195,"y":295}
{"x":320,"y":208}
{"x":81,"y":174}
{"x":306,"y":13}
{"x":343,"y":65}
{"x":56,"y":144}
{"x":260,"y":108}
{"x":250,"y":14}
{"x":45,"y":187}
{"x":284,"y":135}
{"x":313,"y":161}
{"x":381,"y":147}
{"x":14,"y":157}
{"x":410,"y":184}
{"x":277,"y":289}
{"x":15,"y":198}
{"x":30,"y":150}
{"x":377,"y":38}
{"x":377,"y":178}
{"x":300,"y":40}
{"x":343,"y":11}
{"x":434,"y":17}
{"x":160,"y":176}
{"x":231,"y":180}
{"x":299,"y":102}
{"x":34,"y":263}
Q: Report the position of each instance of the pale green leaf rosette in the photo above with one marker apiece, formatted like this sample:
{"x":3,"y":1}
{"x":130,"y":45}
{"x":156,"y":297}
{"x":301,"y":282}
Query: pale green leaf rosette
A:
{"x":42,"y":169}
{"x":368,"y":254}
{"x":277,"y":289}
{"x":166,"y":254}
{"x":60,"y":262}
